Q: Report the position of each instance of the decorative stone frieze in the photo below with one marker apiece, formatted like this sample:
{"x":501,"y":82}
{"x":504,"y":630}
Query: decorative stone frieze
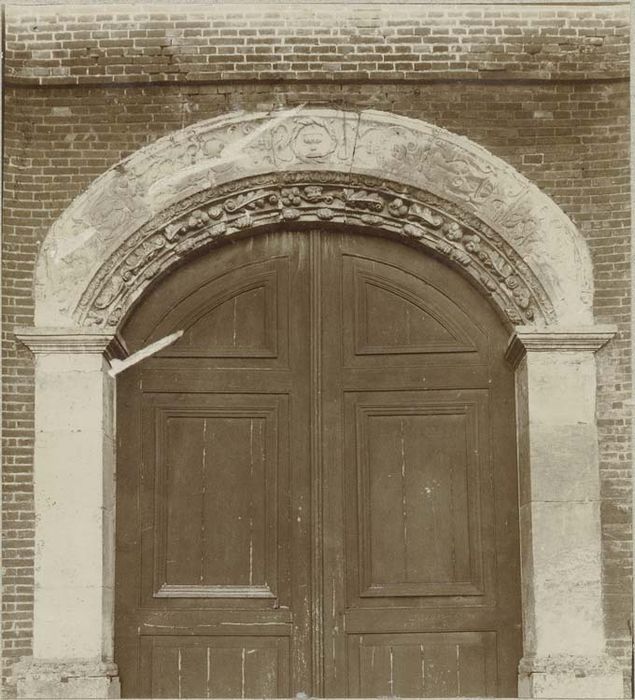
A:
{"x":365,"y":203}
{"x":509,"y":236}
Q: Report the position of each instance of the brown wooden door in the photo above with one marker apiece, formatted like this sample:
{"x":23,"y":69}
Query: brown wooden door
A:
{"x":317,"y":485}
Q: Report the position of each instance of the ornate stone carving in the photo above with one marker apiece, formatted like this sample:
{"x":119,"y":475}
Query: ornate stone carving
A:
{"x":512,"y":239}
{"x":221,"y":213}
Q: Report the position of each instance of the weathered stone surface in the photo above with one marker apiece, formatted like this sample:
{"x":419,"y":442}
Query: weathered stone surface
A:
{"x":569,"y":676}
{"x":532,"y":240}
{"x":562,"y":568}
{"x":74,"y":500}
{"x":67,"y":679}
{"x":559,"y":493}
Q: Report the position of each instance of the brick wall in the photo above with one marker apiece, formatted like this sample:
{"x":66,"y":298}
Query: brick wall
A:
{"x":331,"y":41}
{"x":76,"y":103}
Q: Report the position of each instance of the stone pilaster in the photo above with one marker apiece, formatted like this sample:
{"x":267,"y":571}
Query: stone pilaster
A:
{"x":559,"y":490}
{"x":74,"y":488}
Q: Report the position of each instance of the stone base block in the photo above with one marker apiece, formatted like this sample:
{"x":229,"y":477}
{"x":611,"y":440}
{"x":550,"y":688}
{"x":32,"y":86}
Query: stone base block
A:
{"x":66,"y":679}
{"x":570,"y":677}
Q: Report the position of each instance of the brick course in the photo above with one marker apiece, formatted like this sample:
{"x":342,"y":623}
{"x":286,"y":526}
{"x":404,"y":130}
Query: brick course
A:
{"x":557,"y":110}
{"x":303,"y":42}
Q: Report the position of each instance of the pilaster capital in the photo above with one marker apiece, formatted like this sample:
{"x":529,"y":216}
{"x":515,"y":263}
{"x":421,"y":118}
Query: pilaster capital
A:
{"x":73,"y":341}
{"x":557,"y":339}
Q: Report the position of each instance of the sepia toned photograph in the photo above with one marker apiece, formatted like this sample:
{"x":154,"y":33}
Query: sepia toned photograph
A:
{"x":316,"y":349}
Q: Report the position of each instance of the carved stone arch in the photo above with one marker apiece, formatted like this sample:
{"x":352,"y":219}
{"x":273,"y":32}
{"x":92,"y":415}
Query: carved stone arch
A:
{"x":371,"y":171}
{"x":220,"y":177}
{"x":362,"y":202}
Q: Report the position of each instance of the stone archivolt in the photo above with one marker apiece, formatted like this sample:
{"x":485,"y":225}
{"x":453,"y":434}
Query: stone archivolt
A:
{"x":369,"y":169}
{"x":213,"y":216}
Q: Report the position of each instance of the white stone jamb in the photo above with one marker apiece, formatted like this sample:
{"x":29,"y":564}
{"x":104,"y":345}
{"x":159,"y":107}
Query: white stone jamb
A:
{"x":559,"y":498}
{"x":74,"y":490}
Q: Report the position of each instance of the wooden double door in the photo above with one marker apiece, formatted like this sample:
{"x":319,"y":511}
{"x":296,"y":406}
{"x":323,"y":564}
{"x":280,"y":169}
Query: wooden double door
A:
{"x":316,"y":485}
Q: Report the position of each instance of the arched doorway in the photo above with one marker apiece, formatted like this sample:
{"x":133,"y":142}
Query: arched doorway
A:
{"x":317,"y":483}
{"x":244,"y":173}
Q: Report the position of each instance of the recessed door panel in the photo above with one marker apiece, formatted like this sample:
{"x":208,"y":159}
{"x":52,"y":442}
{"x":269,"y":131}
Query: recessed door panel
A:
{"x":415,"y":475}
{"x":219,"y":463}
{"x":226,"y":499}
{"x":391,"y":322}
{"x":393,"y":317}
{"x":239,"y":314}
{"x":423,"y":665}
{"x":240,"y":326}
{"x":215,"y":667}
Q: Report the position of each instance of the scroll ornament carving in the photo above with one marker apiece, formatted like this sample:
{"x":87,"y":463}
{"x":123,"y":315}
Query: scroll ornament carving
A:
{"x":213,"y":216}
{"x":392,"y":172}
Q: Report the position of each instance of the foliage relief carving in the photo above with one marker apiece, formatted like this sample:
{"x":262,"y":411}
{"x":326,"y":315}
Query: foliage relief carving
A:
{"x":211,"y":217}
{"x":227,"y":175}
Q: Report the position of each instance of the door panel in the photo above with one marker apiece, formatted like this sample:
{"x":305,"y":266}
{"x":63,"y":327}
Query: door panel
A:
{"x":317,"y":482}
{"x":239,"y":314}
{"x":423,"y":665}
{"x":392,"y":317}
{"x":219,"y":461}
{"x":216,"y":667}
{"x":213,"y":591}
{"x":418,"y":450}
{"x":242,"y":325}
{"x":414,"y":480}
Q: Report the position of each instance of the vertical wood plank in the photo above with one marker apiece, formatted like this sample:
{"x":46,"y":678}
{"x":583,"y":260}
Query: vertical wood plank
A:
{"x":376,"y":672}
{"x":165,"y":672}
{"x":193,"y":670}
{"x":408,"y":669}
{"x":184,"y":492}
{"x":472,"y":671}
{"x":462,"y":486}
{"x":442,"y":670}
{"x":261,"y":672}
{"x":234,"y":504}
{"x":385,"y":509}
{"x":250,"y":318}
{"x":226,"y":673}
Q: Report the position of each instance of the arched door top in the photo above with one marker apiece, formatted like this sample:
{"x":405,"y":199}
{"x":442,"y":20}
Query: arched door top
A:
{"x":373,"y":170}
